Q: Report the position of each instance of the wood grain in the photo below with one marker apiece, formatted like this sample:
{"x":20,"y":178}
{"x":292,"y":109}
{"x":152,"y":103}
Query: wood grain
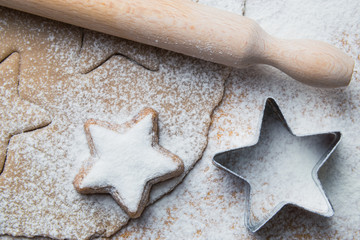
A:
{"x":200,"y":31}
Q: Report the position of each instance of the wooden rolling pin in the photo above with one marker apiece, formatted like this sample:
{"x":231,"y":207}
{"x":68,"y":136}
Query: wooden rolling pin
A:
{"x":200,"y":31}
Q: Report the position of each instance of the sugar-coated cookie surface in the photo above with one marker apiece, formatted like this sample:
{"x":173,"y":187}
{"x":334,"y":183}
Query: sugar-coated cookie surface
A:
{"x":126,"y":160}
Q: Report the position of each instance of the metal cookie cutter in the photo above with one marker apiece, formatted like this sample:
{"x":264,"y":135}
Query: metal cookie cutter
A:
{"x":281,"y":169}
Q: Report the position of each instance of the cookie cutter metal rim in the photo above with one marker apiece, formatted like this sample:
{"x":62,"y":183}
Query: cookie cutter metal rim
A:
{"x":332,"y":146}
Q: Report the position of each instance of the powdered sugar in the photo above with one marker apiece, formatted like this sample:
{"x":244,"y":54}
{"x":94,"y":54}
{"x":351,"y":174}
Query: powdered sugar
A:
{"x":235,"y":6}
{"x":184,"y":91}
{"x":281,"y":169}
{"x":17,"y":115}
{"x":127,"y":161}
{"x":210,"y":199}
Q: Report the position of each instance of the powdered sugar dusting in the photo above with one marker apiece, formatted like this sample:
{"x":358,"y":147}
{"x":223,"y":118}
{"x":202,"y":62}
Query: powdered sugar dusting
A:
{"x":210,"y":199}
{"x":100,"y":47}
{"x":281,"y":169}
{"x":235,"y":6}
{"x":17,"y":115}
{"x":127,"y":161}
{"x":42,"y":165}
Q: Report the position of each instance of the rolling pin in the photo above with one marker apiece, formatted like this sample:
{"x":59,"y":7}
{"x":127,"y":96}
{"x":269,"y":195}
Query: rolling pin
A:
{"x":200,"y":31}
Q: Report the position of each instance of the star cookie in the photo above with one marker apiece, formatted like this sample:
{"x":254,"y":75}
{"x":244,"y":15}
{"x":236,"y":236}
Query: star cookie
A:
{"x":126,"y":160}
{"x":17,"y":115}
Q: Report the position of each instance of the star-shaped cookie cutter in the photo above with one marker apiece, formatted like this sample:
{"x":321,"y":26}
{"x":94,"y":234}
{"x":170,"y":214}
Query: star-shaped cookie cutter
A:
{"x":289,"y":164}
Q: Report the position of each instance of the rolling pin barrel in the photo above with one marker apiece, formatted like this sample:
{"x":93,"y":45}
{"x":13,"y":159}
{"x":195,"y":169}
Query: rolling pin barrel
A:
{"x":199,"y":31}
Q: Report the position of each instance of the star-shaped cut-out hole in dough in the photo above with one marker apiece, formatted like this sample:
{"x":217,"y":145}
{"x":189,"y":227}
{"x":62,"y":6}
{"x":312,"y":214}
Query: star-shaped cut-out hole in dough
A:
{"x":97,"y":48}
{"x":281,"y":169}
{"x":17,"y":115}
{"x":126,"y":160}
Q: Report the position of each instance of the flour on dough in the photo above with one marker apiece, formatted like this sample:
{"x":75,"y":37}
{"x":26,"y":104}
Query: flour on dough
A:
{"x":37,"y":194}
{"x":17,"y":115}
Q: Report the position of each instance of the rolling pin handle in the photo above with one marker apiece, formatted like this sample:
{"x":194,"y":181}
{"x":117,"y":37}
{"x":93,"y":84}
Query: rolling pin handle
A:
{"x":312,"y":62}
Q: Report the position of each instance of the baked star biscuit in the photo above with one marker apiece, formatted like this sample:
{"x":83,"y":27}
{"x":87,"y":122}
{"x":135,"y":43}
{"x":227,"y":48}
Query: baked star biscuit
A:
{"x":126,"y":160}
